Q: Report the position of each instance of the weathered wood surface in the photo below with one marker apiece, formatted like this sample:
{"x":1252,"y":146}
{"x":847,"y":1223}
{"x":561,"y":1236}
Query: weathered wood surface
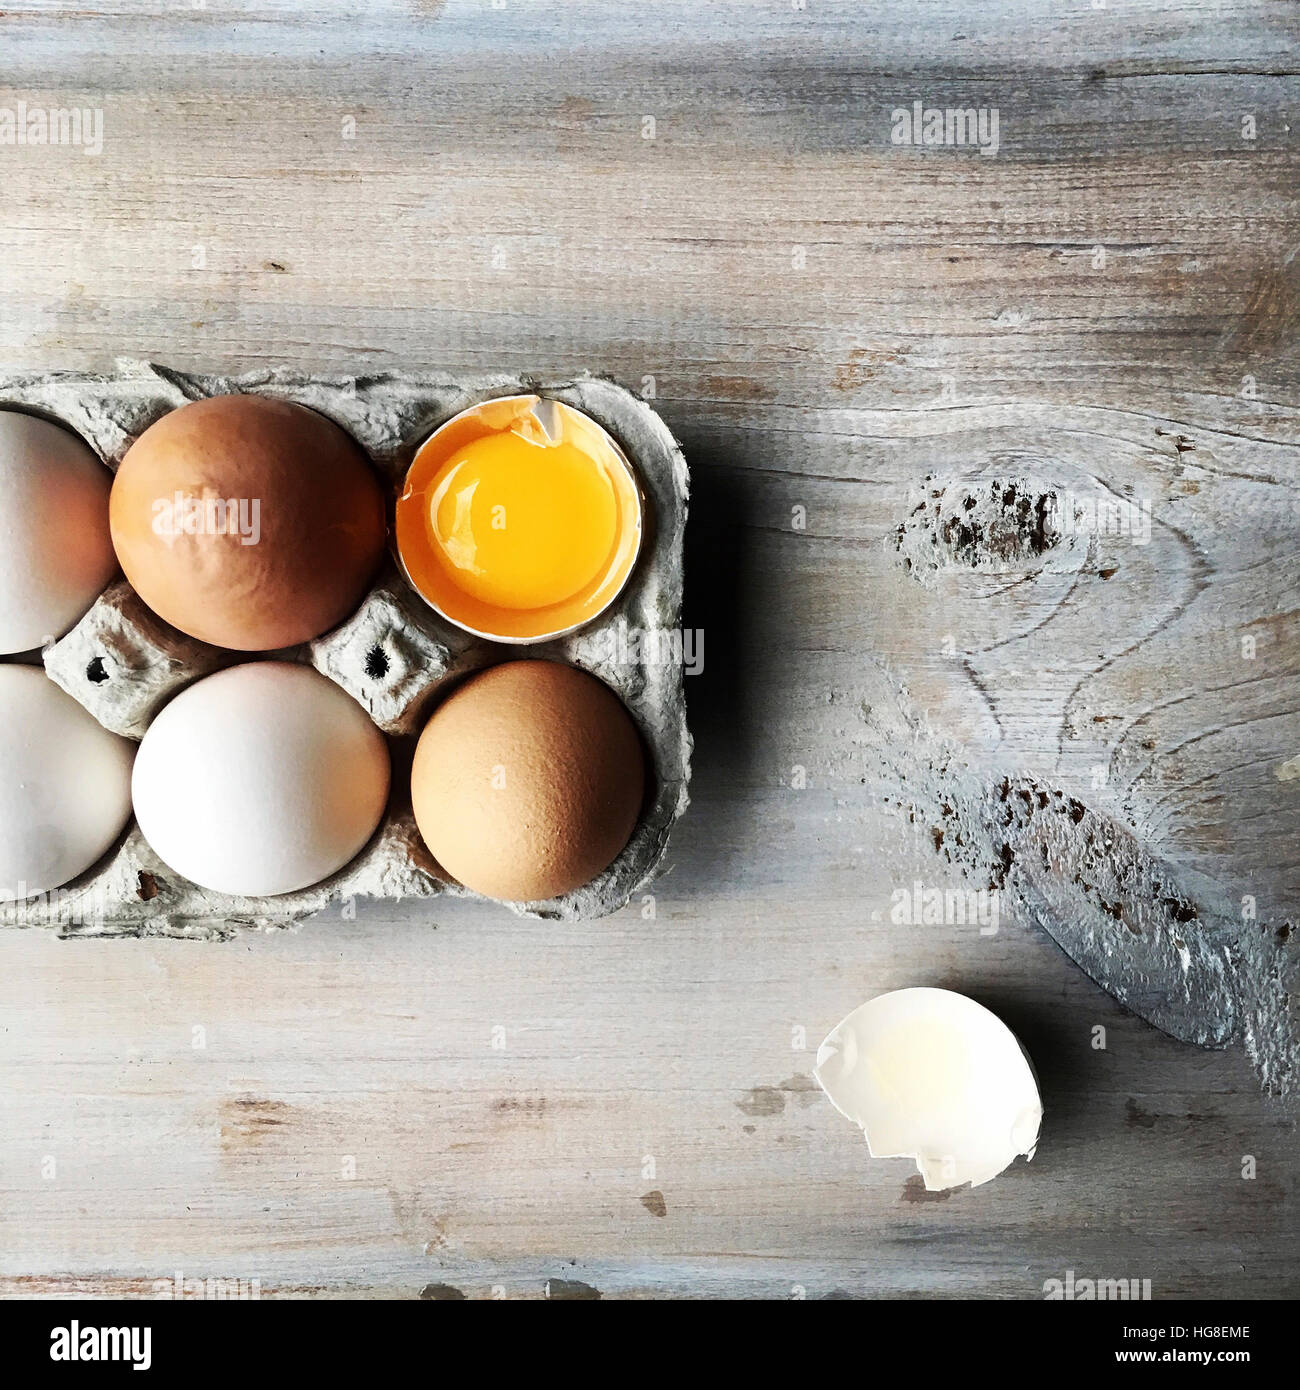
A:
{"x":833,"y":324}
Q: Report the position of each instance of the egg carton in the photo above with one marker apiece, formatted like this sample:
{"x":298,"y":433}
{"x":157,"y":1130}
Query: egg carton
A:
{"x":394,"y":655}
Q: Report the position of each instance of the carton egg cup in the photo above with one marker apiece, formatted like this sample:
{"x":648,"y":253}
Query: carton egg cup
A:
{"x":394,"y":655}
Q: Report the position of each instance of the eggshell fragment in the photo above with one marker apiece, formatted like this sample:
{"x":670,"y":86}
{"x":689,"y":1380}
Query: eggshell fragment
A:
{"x":528,"y":781}
{"x":932,"y":1075}
{"x":55,"y":552}
{"x":259,"y":780}
{"x":65,"y":785}
{"x":248,"y":522}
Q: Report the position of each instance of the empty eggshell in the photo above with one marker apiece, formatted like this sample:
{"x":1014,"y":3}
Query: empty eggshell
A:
{"x":932,"y":1075}
{"x":248,"y":522}
{"x":259,"y":780}
{"x":55,"y":552}
{"x":65,"y":785}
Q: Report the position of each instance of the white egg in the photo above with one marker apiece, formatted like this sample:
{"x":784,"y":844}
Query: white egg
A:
{"x":56,"y":555}
{"x":65,"y":785}
{"x":260,"y":780}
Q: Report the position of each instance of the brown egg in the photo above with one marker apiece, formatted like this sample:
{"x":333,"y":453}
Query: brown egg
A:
{"x":528,"y":781}
{"x":248,"y":522}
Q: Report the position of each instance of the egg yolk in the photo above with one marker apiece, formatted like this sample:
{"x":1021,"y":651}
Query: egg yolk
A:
{"x":521,"y":531}
{"x":519,"y":519}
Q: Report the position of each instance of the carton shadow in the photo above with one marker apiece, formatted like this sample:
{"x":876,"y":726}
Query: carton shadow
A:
{"x":719,"y":597}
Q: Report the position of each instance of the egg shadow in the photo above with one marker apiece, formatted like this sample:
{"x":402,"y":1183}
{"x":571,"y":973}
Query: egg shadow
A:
{"x":1050,"y":1040}
{"x":712,"y":845}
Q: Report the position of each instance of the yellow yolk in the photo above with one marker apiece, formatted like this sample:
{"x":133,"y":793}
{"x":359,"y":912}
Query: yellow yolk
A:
{"x":520,"y":530}
{"x":519,"y":519}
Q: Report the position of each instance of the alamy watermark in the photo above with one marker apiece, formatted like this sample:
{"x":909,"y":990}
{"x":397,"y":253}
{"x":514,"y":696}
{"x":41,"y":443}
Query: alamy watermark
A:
{"x":75,"y":1342}
{"x":1072,"y":1289}
{"x":1069,"y":514}
{"x":75,"y":126}
{"x":959,"y":907}
{"x":624,"y":645}
{"x":184,"y":515}
{"x":66,"y":907}
{"x":179,"y":1286}
{"x":919,"y":124}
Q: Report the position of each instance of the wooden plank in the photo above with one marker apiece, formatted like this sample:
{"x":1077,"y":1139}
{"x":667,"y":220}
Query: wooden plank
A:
{"x":833,"y":323}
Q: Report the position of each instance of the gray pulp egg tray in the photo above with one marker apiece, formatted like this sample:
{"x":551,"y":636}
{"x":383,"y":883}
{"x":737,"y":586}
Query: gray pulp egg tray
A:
{"x":393,"y":655}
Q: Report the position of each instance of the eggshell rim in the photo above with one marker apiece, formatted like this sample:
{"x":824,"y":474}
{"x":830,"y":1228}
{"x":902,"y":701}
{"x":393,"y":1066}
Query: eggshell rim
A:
{"x":614,"y":597}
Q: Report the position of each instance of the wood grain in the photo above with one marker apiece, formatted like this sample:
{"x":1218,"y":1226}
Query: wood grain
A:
{"x":833,"y":324}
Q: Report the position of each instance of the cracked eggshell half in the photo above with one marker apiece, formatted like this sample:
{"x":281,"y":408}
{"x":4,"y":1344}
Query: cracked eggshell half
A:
{"x":65,"y":785}
{"x":261,"y":780}
{"x":931,"y":1075}
{"x":55,"y":553}
{"x":521,"y":520}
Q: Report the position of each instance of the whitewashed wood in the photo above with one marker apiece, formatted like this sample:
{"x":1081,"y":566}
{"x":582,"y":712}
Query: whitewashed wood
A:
{"x":948,"y":321}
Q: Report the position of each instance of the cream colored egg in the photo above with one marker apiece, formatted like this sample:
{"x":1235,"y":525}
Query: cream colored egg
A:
{"x":65,"y":785}
{"x":56,"y":556}
{"x":261,"y":780}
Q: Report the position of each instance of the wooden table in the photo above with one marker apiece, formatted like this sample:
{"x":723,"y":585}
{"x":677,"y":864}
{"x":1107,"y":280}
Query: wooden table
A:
{"x":706,"y":202}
